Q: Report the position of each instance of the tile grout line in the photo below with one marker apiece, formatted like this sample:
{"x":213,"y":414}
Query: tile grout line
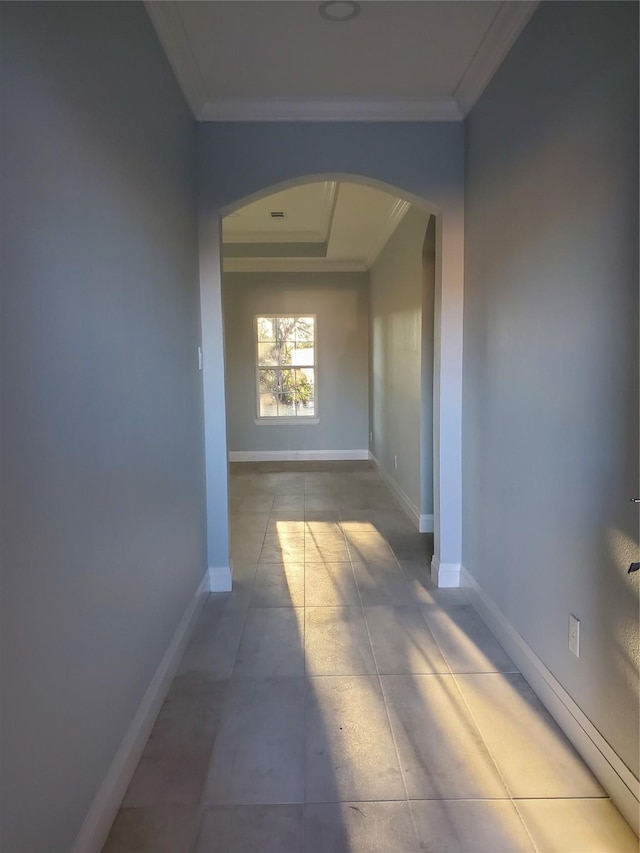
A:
{"x":493,"y":760}
{"x":388,"y":718}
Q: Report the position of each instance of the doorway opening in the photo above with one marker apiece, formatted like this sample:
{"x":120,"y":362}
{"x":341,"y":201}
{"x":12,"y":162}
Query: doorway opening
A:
{"x":328,"y":292}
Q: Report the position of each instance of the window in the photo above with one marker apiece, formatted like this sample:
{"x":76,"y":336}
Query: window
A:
{"x":286,"y":367}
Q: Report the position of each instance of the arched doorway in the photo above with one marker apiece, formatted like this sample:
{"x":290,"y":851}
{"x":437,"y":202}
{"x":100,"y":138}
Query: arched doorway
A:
{"x":447,"y":384}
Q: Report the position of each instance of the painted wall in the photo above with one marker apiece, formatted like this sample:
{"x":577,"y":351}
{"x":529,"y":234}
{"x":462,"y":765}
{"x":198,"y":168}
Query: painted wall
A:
{"x":340,"y":302}
{"x":103,"y":539}
{"x":397,"y":284}
{"x":238,"y":161}
{"x":551,"y":351}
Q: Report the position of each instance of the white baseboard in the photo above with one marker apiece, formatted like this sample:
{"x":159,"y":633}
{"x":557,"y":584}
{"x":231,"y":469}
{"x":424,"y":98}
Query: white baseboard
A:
{"x":445,"y":575}
{"x":403,"y":499}
{"x":425,"y":524}
{"x":296,"y":455}
{"x":95,"y":829}
{"x":220,"y":578}
{"x":607,"y":766}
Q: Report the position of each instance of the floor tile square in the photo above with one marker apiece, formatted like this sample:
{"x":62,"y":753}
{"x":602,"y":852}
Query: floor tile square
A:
{"x":258,"y":753}
{"x":350,"y":753}
{"x":252,"y":829}
{"x":472,"y":826}
{"x":173,"y":766}
{"x":534,"y":756}
{"x":325,"y":549}
{"x":567,"y":826}
{"x":466,"y":642}
{"x":278,"y":585}
{"x":272,"y":643}
{"x":382,"y":584}
{"x":359,"y":828}
{"x":337,"y":642}
{"x":441,"y":751}
{"x":280,"y":548}
{"x":402,"y":642}
{"x":160,"y":829}
{"x":330,"y":584}
{"x":215,"y":640}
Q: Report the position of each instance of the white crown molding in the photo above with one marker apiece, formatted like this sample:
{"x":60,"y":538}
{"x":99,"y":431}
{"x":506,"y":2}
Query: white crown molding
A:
{"x":330,"y":109}
{"x":166,"y":20}
{"x":498,"y":41}
{"x":395,"y":217}
{"x":291,"y":265}
{"x":331,"y":191}
{"x":280,"y":237}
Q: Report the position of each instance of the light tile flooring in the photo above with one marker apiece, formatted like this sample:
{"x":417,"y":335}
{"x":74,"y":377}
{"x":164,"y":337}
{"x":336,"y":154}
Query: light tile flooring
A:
{"x":336,"y":702}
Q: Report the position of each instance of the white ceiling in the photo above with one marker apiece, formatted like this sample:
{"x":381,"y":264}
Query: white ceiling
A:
{"x":327,"y":226}
{"x":269,"y":59}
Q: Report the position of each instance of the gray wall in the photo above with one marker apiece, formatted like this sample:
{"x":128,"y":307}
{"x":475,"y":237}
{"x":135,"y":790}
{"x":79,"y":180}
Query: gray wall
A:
{"x":341,"y":304}
{"x":103,"y":540}
{"x":397,"y":283}
{"x":551,"y":351}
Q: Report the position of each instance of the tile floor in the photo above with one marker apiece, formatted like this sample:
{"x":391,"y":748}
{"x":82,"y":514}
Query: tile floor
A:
{"x":336,"y":702}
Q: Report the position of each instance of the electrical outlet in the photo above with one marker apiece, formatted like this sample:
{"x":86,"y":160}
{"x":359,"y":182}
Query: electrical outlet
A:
{"x":395,"y":461}
{"x":574,"y":635}
{"x":199,"y":358}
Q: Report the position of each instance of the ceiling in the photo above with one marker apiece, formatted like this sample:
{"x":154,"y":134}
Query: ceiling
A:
{"x":276,"y":60}
{"x":324,"y":226}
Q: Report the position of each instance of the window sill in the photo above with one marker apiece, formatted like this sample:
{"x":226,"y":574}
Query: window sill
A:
{"x":287,"y":421}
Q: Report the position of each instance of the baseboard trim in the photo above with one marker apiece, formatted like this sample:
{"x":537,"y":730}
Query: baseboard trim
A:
{"x":445,"y":575}
{"x":296,"y":455}
{"x":95,"y":828}
{"x":425,"y":525}
{"x":403,"y":499}
{"x":220,"y":578}
{"x":607,"y":766}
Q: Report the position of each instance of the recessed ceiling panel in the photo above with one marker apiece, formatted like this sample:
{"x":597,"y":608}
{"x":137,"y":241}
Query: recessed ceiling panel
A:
{"x":286,"y":49}
{"x":297,"y":215}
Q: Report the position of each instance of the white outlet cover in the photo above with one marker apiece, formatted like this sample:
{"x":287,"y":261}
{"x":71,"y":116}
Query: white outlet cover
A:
{"x":574,"y":635}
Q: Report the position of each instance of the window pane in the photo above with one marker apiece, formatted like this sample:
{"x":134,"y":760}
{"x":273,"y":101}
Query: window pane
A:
{"x":267,"y":354}
{"x":266,"y":329}
{"x":285,"y":328}
{"x":269,"y":393}
{"x":304,"y":330}
{"x":302,"y":355}
{"x":286,"y":359}
{"x":304,"y":392}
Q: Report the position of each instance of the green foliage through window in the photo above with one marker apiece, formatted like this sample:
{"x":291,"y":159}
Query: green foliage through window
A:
{"x":286,"y":366}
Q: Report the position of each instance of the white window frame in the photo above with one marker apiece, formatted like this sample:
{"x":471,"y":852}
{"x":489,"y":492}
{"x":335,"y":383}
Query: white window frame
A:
{"x":298,"y":420}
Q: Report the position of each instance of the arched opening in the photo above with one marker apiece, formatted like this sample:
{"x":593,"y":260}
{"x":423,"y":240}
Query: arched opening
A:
{"x":328,"y":291}
{"x":444,"y":409}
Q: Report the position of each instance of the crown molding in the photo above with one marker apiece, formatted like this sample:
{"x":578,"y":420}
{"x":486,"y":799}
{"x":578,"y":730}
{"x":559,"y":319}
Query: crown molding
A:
{"x":166,"y":20}
{"x":330,"y":109}
{"x":291,"y":265}
{"x":505,"y":28}
{"x":395,"y":217}
{"x":280,"y":237}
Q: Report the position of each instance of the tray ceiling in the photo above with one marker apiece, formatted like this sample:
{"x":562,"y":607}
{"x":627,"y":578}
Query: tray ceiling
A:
{"x":320,"y":226}
{"x":270,"y":60}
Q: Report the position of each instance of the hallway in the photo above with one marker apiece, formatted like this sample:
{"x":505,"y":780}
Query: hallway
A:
{"x":337,"y":701}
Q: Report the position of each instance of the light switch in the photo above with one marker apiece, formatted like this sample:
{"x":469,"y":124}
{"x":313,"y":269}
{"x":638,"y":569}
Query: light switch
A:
{"x":574,"y":635}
